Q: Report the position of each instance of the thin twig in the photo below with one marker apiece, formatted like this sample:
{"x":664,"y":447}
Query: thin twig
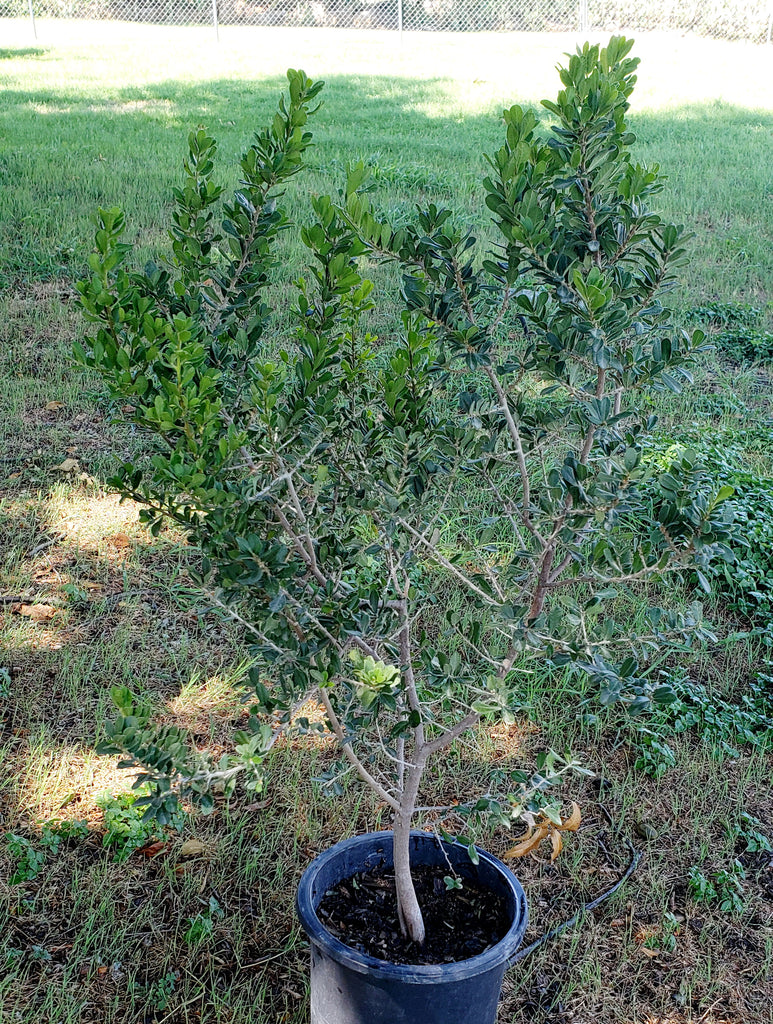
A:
{"x":44,"y":544}
{"x":427,"y":544}
{"x":448,"y":737}
{"x":350,"y":755}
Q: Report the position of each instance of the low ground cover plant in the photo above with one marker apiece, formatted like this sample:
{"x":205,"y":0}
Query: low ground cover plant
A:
{"x":30,"y":855}
{"x":744,"y":578}
{"x":723,"y":887}
{"x":315,"y":472}
{"x":723,"y":725}
{"x":126,"y":829}
{"x":738,"y":331}
{"x":748,"y":581}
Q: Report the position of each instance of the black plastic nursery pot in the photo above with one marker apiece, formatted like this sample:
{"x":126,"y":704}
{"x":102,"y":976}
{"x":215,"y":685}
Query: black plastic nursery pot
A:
{"x":349,"y":987}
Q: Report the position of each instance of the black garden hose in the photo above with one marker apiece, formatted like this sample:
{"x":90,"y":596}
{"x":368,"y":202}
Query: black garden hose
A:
{"x":635,"y":858}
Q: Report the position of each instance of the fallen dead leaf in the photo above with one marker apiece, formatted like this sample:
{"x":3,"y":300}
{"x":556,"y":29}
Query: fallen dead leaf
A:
{"x":152,"y":849}
{"x":119,"y":540}
{"x":643,"y":934}
{"x":38,"y":612}
{"x":192,"y":848}
{"x":68,"y":466}
{"x":54,"y":406}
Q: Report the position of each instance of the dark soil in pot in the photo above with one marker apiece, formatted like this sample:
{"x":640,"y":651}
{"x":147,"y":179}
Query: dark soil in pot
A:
{"x":460,"y":923}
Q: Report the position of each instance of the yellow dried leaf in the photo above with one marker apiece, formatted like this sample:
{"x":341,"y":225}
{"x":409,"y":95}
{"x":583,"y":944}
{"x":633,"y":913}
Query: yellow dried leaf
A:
{"x":54,"y":406}
{"x":528,"y":845}
{"x":556,"y":842}
{"x":509,"y":854}
{"x":525,"y":835}
{"x":68,"y":466}
{"x":572,"y":823}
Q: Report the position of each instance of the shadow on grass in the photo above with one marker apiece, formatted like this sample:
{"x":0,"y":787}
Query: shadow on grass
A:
{"x":91,"y":602}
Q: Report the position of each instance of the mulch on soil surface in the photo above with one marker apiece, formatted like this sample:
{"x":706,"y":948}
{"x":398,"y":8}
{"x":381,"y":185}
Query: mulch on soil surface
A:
{"x":460,"y":923}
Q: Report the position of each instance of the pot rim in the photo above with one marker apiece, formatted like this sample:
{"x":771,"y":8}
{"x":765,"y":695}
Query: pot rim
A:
{"x":419,"y":974}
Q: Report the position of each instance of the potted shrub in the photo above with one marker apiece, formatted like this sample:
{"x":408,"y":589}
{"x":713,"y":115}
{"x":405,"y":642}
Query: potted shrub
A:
{"x":315,"y":472}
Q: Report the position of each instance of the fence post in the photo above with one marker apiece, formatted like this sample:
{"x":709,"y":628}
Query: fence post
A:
{"x":32,"y":19}
{"x":215,"y":21}
{"x":583,"y":15}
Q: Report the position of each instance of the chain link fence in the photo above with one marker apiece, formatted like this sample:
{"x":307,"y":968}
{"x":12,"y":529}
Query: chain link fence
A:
{"x":723,"y":19}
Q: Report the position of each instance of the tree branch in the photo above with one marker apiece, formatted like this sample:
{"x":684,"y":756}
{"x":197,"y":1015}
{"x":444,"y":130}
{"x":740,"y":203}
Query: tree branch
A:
{"x":351,"y":757}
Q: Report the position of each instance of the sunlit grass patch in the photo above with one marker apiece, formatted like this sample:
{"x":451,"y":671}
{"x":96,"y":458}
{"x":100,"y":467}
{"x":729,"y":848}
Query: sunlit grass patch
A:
{"x":53,"y":782}
{"x":210,"y":709}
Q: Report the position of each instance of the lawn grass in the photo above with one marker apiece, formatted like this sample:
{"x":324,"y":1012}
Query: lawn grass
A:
{"x":87,"y":120}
